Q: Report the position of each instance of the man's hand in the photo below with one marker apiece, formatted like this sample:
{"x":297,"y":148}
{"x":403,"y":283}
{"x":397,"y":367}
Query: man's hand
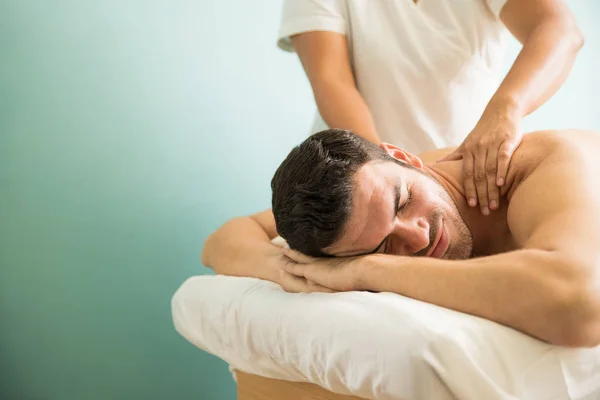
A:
{"x":297,"y":284}
{"x":322,"y":274}
{"x":486,"y":154}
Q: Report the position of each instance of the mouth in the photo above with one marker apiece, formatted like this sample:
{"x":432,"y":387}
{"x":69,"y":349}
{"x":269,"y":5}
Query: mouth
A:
{"x":441,"y":244}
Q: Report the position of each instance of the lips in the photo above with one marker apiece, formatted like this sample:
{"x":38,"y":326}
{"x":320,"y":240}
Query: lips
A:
{"x":441,"y":244}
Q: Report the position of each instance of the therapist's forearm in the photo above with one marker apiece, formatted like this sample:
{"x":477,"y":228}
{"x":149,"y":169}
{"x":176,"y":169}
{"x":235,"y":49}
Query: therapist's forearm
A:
{"x":540,"y":69}
{"x":528,"y":290}
{"x":342,"y":106}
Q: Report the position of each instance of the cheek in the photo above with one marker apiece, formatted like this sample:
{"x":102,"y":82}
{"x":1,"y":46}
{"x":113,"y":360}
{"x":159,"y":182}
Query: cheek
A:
{"x":433,"y":205}
{"x":424,"y":202}
{"x":434,"y":200}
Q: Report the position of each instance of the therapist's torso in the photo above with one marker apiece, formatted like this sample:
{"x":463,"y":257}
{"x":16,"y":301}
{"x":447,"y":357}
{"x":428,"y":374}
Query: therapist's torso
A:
{"x":425,"y":70}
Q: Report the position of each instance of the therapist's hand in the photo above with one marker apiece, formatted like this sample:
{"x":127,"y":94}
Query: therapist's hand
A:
{"x":486,"y":155}
{"x":337,"y":274}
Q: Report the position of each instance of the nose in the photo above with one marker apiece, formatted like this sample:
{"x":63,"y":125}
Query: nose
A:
{"x":411,"y":236}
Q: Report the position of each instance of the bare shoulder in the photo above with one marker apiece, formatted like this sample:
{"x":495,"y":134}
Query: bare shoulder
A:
{"x":560,"y":139}
{"x":432,"y":156}
{"x":553,"y":193}
{"x":541,"y":150}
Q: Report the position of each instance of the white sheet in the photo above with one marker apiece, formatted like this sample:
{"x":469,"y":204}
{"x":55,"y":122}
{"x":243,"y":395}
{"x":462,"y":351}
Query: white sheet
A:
{"x":376,"y":345}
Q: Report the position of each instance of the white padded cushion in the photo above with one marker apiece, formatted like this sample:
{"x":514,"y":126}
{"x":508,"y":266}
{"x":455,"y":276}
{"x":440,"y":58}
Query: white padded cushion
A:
{"x":376,"y":345}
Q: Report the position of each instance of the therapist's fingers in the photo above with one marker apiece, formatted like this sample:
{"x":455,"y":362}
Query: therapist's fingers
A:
{"x":469,"y":180}
{"x":480,"y":177}
{"x":505,"y":153}
{"x":491,"y":168}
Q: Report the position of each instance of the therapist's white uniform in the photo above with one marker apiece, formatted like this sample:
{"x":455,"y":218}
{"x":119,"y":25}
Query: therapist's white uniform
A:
{"x":425,"y":70}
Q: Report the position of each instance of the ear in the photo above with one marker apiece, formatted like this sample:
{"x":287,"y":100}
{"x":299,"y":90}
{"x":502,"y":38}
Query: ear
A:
{"x":402,"y":155}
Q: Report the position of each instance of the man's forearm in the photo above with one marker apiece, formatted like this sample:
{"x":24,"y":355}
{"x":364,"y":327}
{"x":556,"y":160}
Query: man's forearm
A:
{"x":241,"y":248}
{"x":528,"y":290}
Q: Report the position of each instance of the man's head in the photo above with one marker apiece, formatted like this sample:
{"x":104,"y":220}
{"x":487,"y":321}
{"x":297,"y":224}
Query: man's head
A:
{"x":337,"y":194}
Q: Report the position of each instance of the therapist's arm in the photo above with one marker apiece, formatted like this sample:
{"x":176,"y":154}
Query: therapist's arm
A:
{"x":551,"y":39}
{"x":326,"y":61}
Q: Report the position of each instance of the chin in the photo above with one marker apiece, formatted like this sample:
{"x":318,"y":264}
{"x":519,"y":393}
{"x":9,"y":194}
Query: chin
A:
{"x":461,"y":242}
{"x":461,"y":252}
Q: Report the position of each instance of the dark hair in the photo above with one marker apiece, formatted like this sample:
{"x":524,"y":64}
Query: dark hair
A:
{"x":312,"y":188}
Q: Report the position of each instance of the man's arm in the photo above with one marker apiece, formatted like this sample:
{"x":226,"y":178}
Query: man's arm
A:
{"x":242,"y":247}
{"x":537,"y":292}
{"x":549,"y":289}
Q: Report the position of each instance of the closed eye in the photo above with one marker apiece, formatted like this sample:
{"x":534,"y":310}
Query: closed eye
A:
{"x":406,"y":203}
{"x":386,"y":248}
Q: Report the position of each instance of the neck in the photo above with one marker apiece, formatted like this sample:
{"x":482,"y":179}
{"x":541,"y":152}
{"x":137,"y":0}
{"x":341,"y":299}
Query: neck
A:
{"x":486,"y":230}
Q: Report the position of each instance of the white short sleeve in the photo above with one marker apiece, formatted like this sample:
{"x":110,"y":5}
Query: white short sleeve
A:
{"x":310,"y":15}
{"x":496,"y":6}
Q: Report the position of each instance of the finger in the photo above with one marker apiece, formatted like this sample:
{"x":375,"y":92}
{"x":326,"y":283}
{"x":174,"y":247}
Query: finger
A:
{"x":292,"y":283}
{"x":455,"y":155}
{"x":505,"y":153}
{"x":295,"y":284}
{"x":469,"y":179}
{"x":481,"y":180}
{"x":315,"y":287}
{"x":295,"y":269}
{"x":297,"y":256}
{"x":491,"y":167}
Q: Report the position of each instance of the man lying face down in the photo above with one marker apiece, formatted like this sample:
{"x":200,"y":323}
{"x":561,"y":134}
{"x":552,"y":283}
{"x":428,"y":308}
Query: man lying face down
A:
{"x":340,"y":195}
{"x":361,"y":217}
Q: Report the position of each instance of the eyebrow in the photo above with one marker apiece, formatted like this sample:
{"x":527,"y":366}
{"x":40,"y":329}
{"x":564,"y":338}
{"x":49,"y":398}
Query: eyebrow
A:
{"x":397,"y":195}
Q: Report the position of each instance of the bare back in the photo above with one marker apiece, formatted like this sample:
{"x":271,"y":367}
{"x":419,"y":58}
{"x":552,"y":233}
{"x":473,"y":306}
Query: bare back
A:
{"x":553,"y":193}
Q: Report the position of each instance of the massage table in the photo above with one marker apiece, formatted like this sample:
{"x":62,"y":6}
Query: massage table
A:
{"x":254,"y":387}
{"x":363,"y":345}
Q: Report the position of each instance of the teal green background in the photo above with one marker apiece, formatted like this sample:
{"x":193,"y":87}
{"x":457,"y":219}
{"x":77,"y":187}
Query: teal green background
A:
{"x":129,"y":131}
